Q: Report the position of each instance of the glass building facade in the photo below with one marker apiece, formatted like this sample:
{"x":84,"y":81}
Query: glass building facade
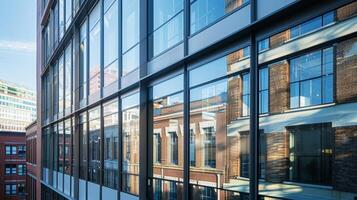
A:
{"x":199,"y":99}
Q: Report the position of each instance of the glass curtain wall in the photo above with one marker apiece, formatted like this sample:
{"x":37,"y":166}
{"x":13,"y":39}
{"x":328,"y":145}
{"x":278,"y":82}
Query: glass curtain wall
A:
{"x":83,"y":64}
{"x":68,"y":79}
{"x":130,"y":143}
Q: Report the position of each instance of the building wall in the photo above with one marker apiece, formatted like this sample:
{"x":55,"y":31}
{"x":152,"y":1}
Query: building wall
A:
{"x":11,"y":139}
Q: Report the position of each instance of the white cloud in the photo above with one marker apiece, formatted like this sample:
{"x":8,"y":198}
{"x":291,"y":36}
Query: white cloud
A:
{"x":9,"y":45}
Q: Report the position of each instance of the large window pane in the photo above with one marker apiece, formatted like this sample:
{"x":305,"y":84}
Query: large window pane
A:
{"x":167,"y":108}
{"x":131,"y":60}
{"x":68,"y":79}
{"x":168,"y":35}
{"x":83,"y":49}
{"x":94,"y":60}
{"x":168,"y":24}
{"x":130,"y":137}
{"x":60,"y":85}
{"x":205,"y":12}
{"x":130,"y":24}
{"x":83,"y":142}
{"x":111,"y":141}
{"x":111,"y":34}
{"x":221,"y":144}
{"x":94,"y":145}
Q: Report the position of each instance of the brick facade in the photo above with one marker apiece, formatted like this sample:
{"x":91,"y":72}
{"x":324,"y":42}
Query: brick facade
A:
{"x":279,"y":87}
{"x":277,"y":156}
{"x":346,"y":71}
{"x":345,"y":159}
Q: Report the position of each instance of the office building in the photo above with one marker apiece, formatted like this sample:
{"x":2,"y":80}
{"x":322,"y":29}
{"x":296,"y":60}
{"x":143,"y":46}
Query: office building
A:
{"x":199,"y":99}
{"x":12,"y":165}
{"x":17,"y":107}
{"x":33,"y":170}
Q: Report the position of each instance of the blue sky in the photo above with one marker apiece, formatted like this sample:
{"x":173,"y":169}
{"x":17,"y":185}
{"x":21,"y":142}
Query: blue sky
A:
{"x":18,"y":42}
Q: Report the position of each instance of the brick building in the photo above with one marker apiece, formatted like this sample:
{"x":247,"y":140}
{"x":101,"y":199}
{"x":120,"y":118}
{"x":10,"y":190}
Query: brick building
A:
{"x":33,"y":185}
{"x":12,"y":165}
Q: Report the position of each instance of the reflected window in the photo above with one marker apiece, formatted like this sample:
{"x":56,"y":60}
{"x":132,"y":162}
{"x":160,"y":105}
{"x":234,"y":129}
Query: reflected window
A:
{"x":246,"y":95}
{"x":311,"y":154}
{"x":209,"y":147}
{"x":83,"y":146}
{"x":311,"y":79}
{"x":192,"y":148}
{"x":157,"y":147}
{"x":173,"y":148}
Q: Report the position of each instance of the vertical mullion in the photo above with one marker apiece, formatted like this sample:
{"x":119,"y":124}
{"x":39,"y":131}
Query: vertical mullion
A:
{"x":186,"y":136}
{"x":143,"y":177}
{"x":186,"y":122}
{"x":254,"y":107}
{"x":120,"y":146}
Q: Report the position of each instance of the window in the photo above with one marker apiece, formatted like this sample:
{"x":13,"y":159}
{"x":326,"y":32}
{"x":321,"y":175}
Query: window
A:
{"x":111,"y":139}
{"x":208,"y":193}
{"x":94,"y":51}
{"x":83,"y":76}
{"x":60,"y":85}
{"x":10,"y":189}
{"x":21,"y":188}
{"x":311,"y":79}
{"x":83,"y":145}
{"x":311,"y":154}
{"x":205,"y":12}
{"x":246,"y":94}
{"x":55,"y":90}
{"x":167,"y":24}
{"x":157,"y":148}
{"x":68,"y":13}
{"x":173,"y":148}
{"x":8,"y":150}
{"x":192,"y":148}
{"x":94,"y":145}
{"x":172,"y":190}
{"x":131,"y":142}
{"x":68,"y":79}
{"x":61,"y":18}
{"x":130,"y":35}
{"x":166,"y":106}
{"x":263,"y":92}
{"x":111,"y":44}
{"x":68,"y":147}
{"x":209,"y":147}
{"x":21,"y":170}
{"x":10,"y":169}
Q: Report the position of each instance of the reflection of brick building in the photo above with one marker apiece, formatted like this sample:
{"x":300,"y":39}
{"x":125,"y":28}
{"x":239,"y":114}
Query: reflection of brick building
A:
{"x":12,"y":165}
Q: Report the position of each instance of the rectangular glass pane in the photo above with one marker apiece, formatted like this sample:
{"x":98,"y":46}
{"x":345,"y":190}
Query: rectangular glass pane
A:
{"x":111,"y":34}
{"x":131,"y":60}
{"x":130,"y":24}
{"x":164,"y":10}
{"x":310,"y":92}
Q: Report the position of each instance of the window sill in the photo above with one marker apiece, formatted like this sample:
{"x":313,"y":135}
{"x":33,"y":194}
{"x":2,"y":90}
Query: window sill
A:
{"x":326,"y":187}
{"x":310,"y":107}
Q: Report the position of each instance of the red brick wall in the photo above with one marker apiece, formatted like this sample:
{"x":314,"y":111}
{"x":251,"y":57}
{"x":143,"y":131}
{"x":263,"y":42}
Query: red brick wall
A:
{"x":346,"y":72}
{"x":279,"y":87}
{"x":14,"y":139}
{"x":277,"y":156}
{"x":345,"y":160}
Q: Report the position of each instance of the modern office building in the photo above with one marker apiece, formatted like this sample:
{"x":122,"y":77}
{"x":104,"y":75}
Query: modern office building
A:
{"x":33,"y":170}
{"x":199,"y":99}
{"x":17,"y":107}
{"x":12,"y":165}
